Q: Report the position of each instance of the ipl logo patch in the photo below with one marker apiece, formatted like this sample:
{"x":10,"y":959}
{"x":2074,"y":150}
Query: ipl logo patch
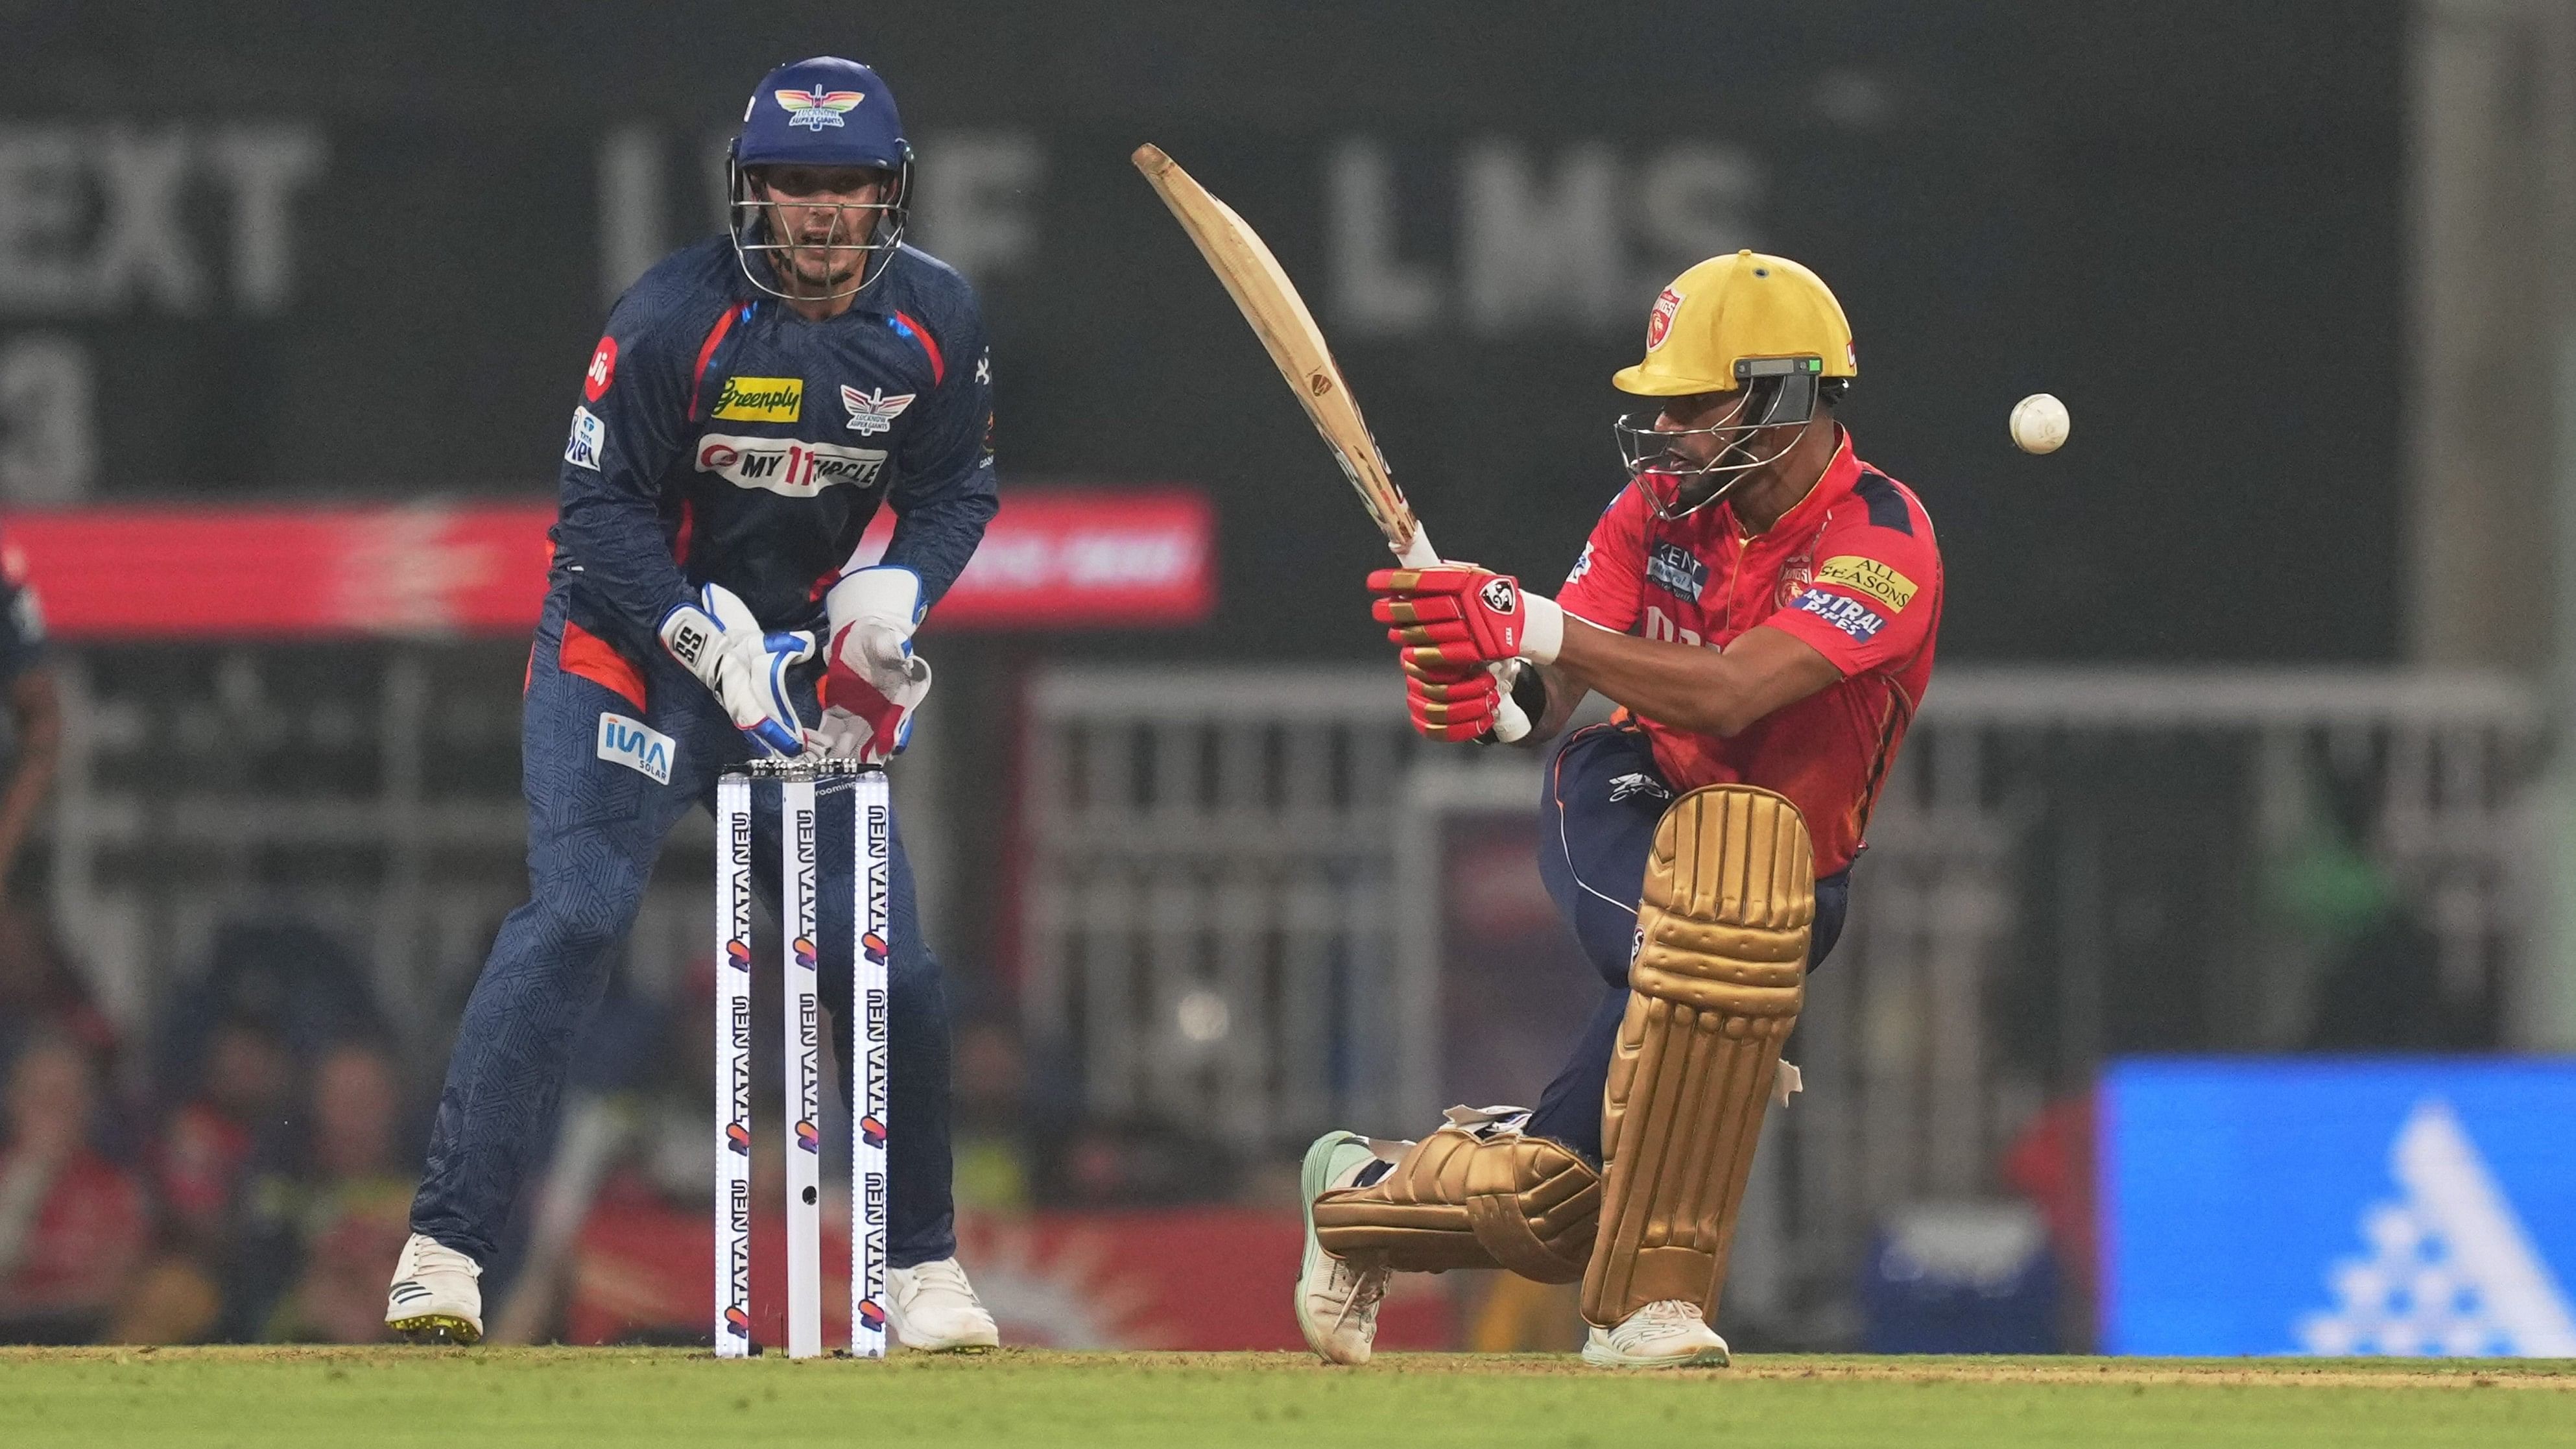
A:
{"x":816,"y":109}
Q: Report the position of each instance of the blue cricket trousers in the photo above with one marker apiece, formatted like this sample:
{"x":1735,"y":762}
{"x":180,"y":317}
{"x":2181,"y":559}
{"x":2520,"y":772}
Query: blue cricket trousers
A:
{"x":595,"y":826}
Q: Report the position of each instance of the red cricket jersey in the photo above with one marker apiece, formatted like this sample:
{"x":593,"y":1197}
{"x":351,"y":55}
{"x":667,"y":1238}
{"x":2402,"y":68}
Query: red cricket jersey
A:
{"x":1852,"y":570}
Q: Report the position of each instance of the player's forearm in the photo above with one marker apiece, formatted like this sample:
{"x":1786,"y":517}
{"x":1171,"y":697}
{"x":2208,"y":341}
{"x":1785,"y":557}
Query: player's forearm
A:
{"x":624,"y":561}
{"x":935,"y":536}
{"x":1557,"y":697}
{"x":1682,"y":685}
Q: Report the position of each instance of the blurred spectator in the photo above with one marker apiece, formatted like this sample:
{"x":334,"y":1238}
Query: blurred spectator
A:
{"x":991,"y":1121}
{"x":240,"y":1112}
{"x":73,"y":1224}
{"x":352,"y":1210}
{"x":40,"y":995}
{"x":35,"y":710}
{"x":2050,"y":1163}
{"x":295,"y":978}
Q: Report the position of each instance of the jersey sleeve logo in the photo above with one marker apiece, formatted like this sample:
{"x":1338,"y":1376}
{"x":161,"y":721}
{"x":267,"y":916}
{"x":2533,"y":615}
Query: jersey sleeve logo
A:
{"x":1871,"y":577}
{"x":816,"y":109}
{"x":761,"y":400}
{"x":602,"y":371}
{"x":872,"y":411}
{"x":589,"y":439}
{"x":1846,"y":614}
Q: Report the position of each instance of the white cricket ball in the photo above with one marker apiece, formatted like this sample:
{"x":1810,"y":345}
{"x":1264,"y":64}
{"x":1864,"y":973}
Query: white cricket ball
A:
{"x":2040,"y":423}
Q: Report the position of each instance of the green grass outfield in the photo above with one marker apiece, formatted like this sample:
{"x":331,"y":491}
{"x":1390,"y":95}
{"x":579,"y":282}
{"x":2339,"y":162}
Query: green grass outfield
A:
{"x":635,"y":1398}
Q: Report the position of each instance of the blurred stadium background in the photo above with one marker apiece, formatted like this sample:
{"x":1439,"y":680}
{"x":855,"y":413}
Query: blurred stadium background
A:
{"x":2249,"y":739}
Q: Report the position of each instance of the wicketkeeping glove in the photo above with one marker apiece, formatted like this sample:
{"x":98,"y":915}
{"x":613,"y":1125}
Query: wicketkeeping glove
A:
{"x":872,"y":680}
{"x":742,"y":665}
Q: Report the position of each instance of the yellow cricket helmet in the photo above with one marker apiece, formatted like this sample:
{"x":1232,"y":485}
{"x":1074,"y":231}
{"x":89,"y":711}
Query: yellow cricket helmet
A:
{"x":1762,"y":327}
{"x":1717,"y":321}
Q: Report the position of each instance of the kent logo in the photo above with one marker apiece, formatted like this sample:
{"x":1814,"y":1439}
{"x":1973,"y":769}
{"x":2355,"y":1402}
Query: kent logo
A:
{"x":1672,"y":569}
{"x":761,"y":399}
{"x":636,"y":745}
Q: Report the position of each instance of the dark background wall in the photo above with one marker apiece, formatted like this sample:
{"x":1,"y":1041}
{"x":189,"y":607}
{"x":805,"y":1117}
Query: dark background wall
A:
{"x":2181,"y":217}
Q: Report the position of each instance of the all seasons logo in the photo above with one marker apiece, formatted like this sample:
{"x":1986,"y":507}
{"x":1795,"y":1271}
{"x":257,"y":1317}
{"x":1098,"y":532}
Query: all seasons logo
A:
{"x":761,"y":399}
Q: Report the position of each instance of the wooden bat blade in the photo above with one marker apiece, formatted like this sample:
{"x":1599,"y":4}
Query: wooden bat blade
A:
{"x":1269,"y":301}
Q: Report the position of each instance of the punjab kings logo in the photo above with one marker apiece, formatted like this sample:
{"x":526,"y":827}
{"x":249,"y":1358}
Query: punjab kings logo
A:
{"x":818,"y":108}
{"x":872,"y":411}
{"x":1795,"y":576}
{"x":1659,"y":323}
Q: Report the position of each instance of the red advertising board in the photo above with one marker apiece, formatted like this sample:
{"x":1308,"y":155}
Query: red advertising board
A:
{"x":1053,"y":559}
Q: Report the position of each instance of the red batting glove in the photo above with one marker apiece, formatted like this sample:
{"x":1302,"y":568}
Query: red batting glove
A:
{"x":1450,"y":701}
{"x":1457,"y":613}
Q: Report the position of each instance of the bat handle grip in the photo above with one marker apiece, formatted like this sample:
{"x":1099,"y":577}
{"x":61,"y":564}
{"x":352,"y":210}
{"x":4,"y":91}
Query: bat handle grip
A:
{"x":1511,"y":725}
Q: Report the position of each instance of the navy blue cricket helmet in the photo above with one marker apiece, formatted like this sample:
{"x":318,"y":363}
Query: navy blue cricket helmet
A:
{"x":825,"y":111}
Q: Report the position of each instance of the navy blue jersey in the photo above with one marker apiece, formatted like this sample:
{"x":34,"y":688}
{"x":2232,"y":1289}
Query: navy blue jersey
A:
{"x":721,"y":438}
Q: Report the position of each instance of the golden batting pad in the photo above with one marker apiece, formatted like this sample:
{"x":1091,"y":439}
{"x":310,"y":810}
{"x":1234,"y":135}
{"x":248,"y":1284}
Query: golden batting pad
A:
{"x":1730,"y":898}
{"x":1457,"y":1199}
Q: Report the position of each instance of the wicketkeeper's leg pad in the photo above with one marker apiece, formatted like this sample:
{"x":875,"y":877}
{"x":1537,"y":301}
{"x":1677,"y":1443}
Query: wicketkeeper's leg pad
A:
{"x":1730,"y":896}
{"x":1475,"y":1194}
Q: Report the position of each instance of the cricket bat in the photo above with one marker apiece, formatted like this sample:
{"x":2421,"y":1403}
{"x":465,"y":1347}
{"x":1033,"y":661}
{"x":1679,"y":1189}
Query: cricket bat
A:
{"x":1260,"y":287}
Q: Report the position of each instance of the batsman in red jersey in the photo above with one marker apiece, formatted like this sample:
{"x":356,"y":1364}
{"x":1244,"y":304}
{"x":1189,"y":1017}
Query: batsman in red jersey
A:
{"x":1762,"y":607}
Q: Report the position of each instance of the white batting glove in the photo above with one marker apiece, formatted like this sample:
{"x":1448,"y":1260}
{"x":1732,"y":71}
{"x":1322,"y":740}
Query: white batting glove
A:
{"x":744,"y":666}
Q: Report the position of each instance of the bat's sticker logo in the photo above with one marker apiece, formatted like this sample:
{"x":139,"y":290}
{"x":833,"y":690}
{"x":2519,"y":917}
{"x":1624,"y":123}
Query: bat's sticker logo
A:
{"x":872,"y":411}
{"x":1499,"y":595}
{"x":816,"y":109}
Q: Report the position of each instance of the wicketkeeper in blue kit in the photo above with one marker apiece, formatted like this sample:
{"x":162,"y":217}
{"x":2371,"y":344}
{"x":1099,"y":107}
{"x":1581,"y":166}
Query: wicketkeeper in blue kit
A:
{"x":757,"y":395}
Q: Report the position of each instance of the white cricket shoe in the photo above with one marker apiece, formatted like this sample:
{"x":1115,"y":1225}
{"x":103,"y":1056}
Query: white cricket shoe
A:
{"x":1669,"y":1334}
{"x":936,"y":1310}
{"x":436,"y":1297}
{"x":1336,"y":1303}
